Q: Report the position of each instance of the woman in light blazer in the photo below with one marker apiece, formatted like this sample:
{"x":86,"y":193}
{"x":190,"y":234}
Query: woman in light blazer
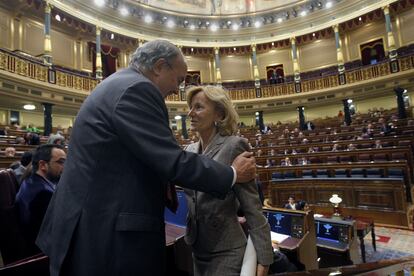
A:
{"x":213,"y":230}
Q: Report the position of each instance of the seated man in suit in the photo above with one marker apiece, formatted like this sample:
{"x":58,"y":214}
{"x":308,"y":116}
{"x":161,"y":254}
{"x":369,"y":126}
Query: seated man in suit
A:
{"x":20,"y":167}
{"x":36,"y":190}
{"x":291,"y":203}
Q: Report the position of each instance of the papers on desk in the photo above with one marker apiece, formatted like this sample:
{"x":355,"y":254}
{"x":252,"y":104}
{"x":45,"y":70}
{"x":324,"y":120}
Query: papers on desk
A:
{"x":249,"y":266}
{"x":317,"y":216}
{"x":276,"y":237}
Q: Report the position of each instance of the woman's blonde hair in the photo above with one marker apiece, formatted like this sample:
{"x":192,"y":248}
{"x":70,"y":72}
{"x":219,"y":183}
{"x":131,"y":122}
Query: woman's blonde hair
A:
{"x":222,"y":102}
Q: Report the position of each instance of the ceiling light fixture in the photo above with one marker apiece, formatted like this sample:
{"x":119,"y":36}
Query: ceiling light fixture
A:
{"x":257,"y":24}
{"x":57,"y":17}
{"x":192,"y":27}
{"x":29,"y":107}
{"x":124,"y":11}
{"x":112,"y":36}
{"x":100,"y":3}
{"x":235,"y":27}
{"x":213,"y":27}
{"x":148,"y":19}
{"x":303,"y":13}
{"x":328,"y":5}
{"x":170,"y":23}
{"x":279,"y":20}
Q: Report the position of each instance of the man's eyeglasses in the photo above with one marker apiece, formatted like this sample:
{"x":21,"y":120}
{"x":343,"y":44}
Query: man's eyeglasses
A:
{"x":60,"y":161}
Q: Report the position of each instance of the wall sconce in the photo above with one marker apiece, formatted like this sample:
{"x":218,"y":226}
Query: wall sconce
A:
{"x":335,"y":200}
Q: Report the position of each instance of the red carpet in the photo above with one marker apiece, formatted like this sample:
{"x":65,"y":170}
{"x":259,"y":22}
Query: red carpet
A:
{"x":383,"y":239}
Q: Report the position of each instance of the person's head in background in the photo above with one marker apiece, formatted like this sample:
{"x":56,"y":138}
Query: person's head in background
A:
{"x":162,"y":63}
{"x":10,"y":152}
{"x":291,"y":199}
{"x":48,"y":161}
{"x":26,"y":158}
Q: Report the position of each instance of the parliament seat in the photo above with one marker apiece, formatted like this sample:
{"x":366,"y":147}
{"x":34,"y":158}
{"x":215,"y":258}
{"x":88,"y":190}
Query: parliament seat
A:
{"x":402,"y":143}
{"x":341,"y":173}
{"x":332,"y":159}
{"x":398,"y":156}
{"x":379,"y":157}
{"x":396,"y":173}
{"x":307,"y":174}
{"x":357,"y":173}
{"x":322,"y":173}
{"x":12,"y":242}
{"x":345,"y":159}
{"x":374,"y":173}
{"x":364,"y":158}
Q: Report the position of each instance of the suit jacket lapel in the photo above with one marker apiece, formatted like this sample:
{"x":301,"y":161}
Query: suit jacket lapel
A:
{"x":215,"y":145}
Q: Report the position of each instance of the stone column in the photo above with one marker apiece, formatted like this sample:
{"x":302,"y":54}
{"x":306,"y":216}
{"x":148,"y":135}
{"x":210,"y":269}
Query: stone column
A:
{"x":296,"y":69}
{"x":98,"y":53}
{"x":217,"y":62}
{"x":256,"y":72}
{"x":339,"y":55}
{"x":47,"y":113}
{"x":392,"y":51}
{"x":47,"y":51}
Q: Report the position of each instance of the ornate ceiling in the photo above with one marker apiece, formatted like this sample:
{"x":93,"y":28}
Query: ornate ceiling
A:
{"x":204,"y":23}
{"x":219,"y":7}
{"x":211,"y":23}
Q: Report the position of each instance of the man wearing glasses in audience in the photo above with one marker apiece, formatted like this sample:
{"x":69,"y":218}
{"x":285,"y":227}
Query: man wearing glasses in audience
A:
{"x":37,"y":189}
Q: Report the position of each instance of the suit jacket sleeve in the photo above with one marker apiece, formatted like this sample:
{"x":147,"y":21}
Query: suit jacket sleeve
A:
{"x":140,"y":119}
{"x":259,"y":229}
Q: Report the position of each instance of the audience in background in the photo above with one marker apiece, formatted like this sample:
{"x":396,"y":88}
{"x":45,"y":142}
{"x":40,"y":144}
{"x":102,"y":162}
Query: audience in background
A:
{"x":378,"y":144}
{"x":291,"y":204}
{"x":20,"y":167}
{"x":15,"y":125}
{"x":37,"y":189}
{"x":286,"y":162}
{"x":351,"y":147}
{"x":32,"y":128}
{"x":383,"y":127}
{"x":10,"y":152}
{"x":269,"y":163}
{"x":56,"y":139}
{"x":303,"y":161}
{"x":19,"y":141}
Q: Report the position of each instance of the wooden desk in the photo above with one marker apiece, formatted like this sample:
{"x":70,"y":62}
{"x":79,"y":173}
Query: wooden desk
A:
{"x":173,"y":233}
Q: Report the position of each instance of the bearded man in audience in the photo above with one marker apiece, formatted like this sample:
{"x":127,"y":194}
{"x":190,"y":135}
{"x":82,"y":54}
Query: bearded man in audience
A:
{"x":37,"y":189}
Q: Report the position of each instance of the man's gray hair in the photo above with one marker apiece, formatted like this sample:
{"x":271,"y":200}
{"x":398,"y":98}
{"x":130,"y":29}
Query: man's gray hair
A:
{"x":148,"y":54}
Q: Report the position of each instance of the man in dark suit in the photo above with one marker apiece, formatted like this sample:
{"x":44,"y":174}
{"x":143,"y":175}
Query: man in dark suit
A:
{"x":37,"y":189}
{"x":107,"y":215}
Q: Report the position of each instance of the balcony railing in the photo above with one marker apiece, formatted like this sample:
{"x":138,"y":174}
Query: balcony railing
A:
{"x":30,"y":68}
{"x":34,"y":69}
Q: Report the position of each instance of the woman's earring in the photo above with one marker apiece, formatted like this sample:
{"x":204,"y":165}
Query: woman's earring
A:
{"x":215,"y":124}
